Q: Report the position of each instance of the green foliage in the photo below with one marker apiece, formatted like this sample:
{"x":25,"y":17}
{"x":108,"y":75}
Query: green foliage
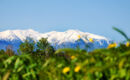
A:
{"x":100,"y":64}
{"x":44,"y":47}
{"x":41,"y":48}
{"x":20,"y":67}
{"x":122,"y":33}
{"x":43,"y":44}
{"x":27,"y":46}
{"x":2,"y":51}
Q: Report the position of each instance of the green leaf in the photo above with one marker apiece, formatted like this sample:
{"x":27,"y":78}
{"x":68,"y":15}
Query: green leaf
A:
{"x":20,"y":68}
{"x":122,"y":73}
{"x":121,"y":32}
{"x":17,"y":62}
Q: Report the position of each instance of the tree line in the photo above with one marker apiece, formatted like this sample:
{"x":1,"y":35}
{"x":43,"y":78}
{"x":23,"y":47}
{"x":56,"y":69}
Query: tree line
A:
{"x":29,"y":46}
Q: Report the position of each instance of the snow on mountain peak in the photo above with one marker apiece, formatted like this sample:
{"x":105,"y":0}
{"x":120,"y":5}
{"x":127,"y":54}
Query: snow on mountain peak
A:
{"x":8,"y":35}
{"x":21,"y":34}
{"x":69,"y":35}
{"x":57,"y":39}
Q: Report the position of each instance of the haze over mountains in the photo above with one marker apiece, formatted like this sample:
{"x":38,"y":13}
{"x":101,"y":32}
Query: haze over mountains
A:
{"x":67,"y":39}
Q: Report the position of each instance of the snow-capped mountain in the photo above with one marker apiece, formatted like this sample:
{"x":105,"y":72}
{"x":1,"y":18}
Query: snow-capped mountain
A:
{"x":67,"y":39}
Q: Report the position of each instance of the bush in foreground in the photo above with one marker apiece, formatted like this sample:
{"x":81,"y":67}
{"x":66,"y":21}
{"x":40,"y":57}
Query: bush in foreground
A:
{"x":66,"y":64}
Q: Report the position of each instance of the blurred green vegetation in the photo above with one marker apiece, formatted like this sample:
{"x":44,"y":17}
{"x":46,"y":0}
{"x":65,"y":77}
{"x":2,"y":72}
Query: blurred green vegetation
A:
{"x":39,"y":61}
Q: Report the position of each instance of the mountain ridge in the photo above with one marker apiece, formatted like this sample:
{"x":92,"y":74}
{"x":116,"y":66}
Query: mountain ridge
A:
{"x":66,"y":39}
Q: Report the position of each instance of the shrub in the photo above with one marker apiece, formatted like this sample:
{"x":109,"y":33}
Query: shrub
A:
{"x":28,"y":46}
{"x":2,"y":51}
{"x":44,"y":47}
{"x":20,"y":67}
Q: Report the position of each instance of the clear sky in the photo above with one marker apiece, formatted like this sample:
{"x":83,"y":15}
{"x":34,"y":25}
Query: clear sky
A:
{"x":94,"y":16}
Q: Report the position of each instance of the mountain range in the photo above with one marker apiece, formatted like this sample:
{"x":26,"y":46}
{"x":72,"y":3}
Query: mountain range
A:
{"x":67,"y":39}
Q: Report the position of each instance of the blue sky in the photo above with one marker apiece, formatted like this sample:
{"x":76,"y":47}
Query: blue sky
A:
{"x":94,"y":16}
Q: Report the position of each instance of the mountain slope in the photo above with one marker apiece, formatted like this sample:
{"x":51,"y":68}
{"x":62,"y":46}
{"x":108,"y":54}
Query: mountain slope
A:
{"x":67,"y":39}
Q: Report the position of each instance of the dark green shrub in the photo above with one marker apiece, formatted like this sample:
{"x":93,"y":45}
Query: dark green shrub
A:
{"x":44,"y":48}
{"x":28,"y":46}
{"x":2,"y":51}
